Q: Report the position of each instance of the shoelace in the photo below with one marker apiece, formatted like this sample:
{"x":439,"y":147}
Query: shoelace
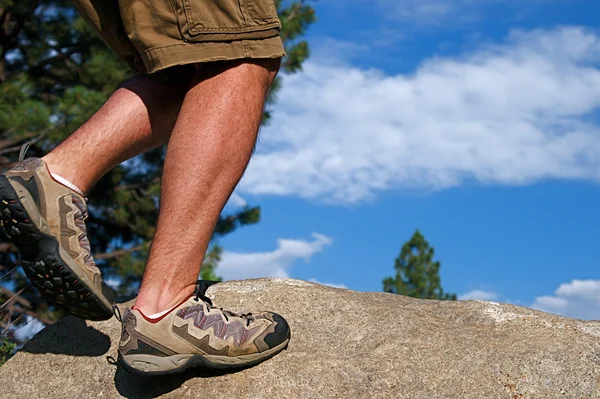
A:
{"x":199,"y":294}
{"x":23,"y":151}
{"x":117,"y":313}
{"x":80,"y":218}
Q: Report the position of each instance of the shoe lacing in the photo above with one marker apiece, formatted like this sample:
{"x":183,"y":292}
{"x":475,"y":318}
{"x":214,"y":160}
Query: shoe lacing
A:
{"x":117,"y":313}
{"x":199,"y":295}
{"x":81,"y":216}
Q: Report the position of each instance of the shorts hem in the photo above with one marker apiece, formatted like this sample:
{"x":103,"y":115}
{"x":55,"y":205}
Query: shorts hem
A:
{"x":159,"y":58}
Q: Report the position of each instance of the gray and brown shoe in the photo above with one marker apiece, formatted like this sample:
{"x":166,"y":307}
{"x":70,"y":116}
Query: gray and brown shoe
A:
{"x":196,"y":333}
{"x":46,"y":221}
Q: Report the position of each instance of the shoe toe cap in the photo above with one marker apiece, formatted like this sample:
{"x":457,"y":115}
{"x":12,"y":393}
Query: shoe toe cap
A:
{"x":281,"y":334}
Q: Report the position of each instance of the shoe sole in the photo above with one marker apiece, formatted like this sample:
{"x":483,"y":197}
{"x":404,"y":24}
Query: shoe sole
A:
{"x":150,"y":365}
{"x":43,"y":264}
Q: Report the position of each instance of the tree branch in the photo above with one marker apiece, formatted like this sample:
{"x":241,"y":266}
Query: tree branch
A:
{"x":11,"y":142}
{"x":143,"y":184}
{"x":119,"y":252}
{"x":15,"y":298}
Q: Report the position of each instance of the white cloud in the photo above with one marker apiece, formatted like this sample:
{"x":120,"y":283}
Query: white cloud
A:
{"x":236,"y":266}
{"x":579,"y":299}
{"x":424,"y":11}
{"x":478,"y":295}
{"x":514,"y":113}
{"x":236,"y":201}
{"x":335,"y":52}
{"x":314,"y":280}
{"x":436,"y":12}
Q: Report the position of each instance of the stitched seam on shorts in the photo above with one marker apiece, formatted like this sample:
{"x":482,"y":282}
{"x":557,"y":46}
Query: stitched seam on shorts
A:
{"x":188,"y":15}
{"x":154,"y":49}
{"x":181,"y":45}
{"x":213,"y":59}
{"x":245,"y":46}
{"x":255,"y":16}
{"x":157,"y":60}
{"x":193,"y":29}
{"x":242,"y":29}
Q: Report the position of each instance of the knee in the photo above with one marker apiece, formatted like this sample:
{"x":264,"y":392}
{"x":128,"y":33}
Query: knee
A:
{"x":272,"y":66}
{"x":263,"y":69}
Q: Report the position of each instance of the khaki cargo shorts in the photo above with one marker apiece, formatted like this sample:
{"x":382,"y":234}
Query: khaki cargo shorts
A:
{"x":153,"y":35}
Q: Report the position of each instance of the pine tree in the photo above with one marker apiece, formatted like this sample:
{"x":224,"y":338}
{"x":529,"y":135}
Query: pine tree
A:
{"x":54,"y":74}
{"x":417,"y":275}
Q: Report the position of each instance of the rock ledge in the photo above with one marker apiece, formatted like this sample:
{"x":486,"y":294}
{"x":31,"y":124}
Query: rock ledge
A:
{"x":344,"y":344}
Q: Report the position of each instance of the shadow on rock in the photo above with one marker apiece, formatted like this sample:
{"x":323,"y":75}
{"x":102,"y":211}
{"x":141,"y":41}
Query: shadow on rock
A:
{"x":69,"y":336}
{"x":134,"y":386}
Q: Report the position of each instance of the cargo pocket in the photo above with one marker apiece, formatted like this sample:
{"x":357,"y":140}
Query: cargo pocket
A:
{"x":224,"y":20}
{"x":213,"y":16}
{"x":261,"y":11}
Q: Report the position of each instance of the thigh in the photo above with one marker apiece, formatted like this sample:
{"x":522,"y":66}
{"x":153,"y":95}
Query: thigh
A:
{"x":105,"y":18}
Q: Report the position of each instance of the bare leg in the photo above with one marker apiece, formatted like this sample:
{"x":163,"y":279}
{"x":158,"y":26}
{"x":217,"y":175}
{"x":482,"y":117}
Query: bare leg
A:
{"x":207,"y":154}
{"x":137,"y":117}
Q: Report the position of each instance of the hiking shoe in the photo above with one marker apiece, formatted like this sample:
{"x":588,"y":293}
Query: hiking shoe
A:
{"x":195,"y":333}
{"x":46,"y":221}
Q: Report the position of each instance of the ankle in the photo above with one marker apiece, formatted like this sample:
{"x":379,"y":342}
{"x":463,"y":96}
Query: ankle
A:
{"x":152,"y":301}
{"x":65,"y":172}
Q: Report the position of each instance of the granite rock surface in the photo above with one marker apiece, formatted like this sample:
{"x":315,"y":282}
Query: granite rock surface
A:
{"x":345,"y":344}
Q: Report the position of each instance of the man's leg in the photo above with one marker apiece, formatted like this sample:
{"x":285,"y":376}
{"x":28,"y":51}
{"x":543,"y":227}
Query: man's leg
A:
{"x":137,"y":117}
{"x":45,"y":219}
{"x":169,"y":329}
{"x":208,"y":151}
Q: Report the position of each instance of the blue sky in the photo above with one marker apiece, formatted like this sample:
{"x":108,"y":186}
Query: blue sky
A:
{"x":476,"y":122}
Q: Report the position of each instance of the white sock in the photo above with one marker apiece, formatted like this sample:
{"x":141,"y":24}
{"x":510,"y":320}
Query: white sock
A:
{"x":67,"y":183}
{"x":157,"y":315}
